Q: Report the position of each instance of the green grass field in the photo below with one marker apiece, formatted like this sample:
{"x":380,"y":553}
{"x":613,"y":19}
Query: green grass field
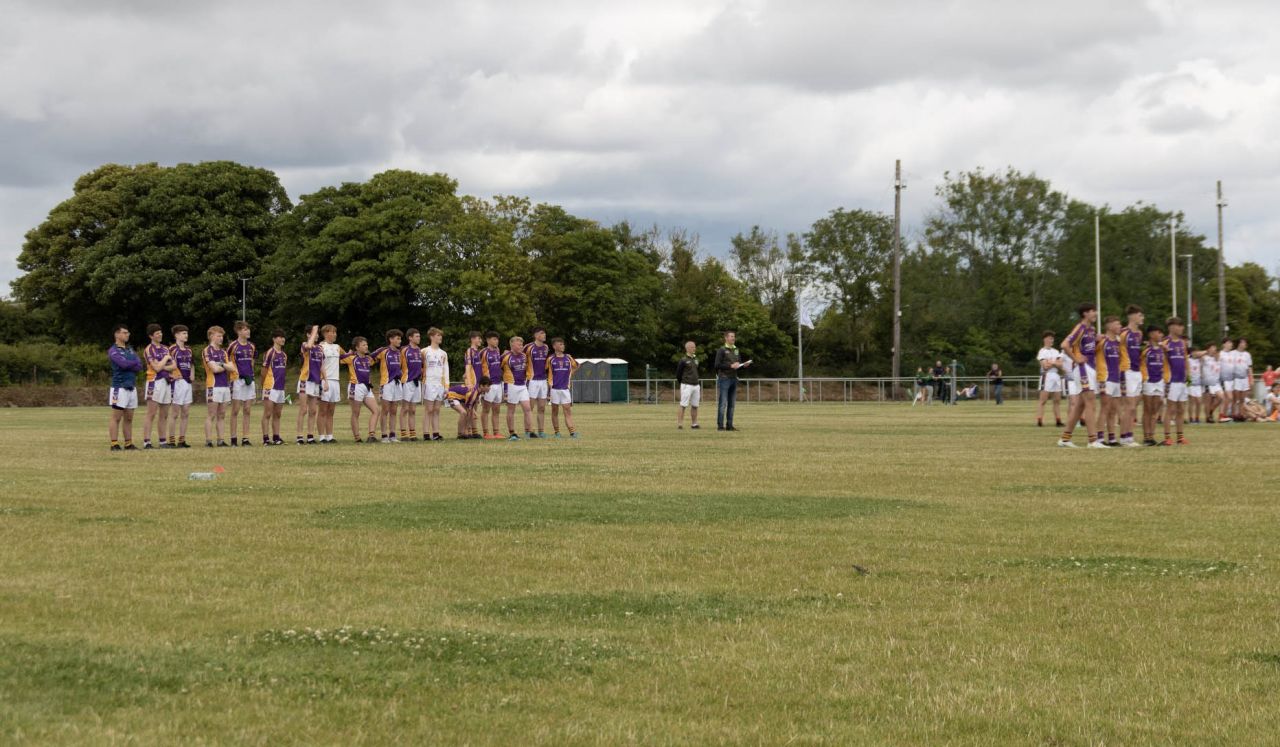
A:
{"x":644,"y":585}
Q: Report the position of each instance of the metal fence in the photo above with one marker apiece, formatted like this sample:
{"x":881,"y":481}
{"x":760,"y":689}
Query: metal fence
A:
{"x":813,"y":389}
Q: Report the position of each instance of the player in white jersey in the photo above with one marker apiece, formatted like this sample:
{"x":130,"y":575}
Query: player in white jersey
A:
{"x":1244,"y":374}
{"x":1227,"y":362}
{"x":435,"y":384}
{"x":1049,"y":359}
{"x":1195,"y":384}
{"x":1211,"y":375}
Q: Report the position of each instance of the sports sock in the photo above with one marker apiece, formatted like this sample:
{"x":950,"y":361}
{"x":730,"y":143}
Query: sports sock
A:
{"x":146,"y":441}
{"x":266,"y":439}
{"x":128,"y":442}
{"x":234,"y":441}
{"x":115,"y":442}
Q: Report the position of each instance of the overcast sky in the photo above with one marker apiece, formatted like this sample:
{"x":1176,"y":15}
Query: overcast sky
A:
{"x":708,"y":115}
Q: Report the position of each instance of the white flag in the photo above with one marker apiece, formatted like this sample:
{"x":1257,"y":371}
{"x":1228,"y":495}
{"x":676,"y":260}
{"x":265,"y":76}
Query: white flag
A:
{"x":805,"y":319}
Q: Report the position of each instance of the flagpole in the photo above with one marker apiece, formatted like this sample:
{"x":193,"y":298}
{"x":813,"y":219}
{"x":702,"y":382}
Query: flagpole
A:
{"x":800,"y":341}
{"x":1097,"y":263}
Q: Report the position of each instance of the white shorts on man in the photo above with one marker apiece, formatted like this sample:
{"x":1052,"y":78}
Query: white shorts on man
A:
{"x":1195,"y":390}
{"x":538,"y":389}
{"x":309,"y":388}
{"x":517,"y":393}
{"x":1075,"y":382}
{"x":433,"y":392}
{"x":160,"y":392}
{"x":411,"y":392}
{"x":1177,"y":391}
{"x":1153,"y":388}
{"x":217,"y":395}
{"x":1133,"y":383}
{"x":243,"y":391}
{"x":691,"y":394}
{"x":392,"y":392}
{"x":274,"y":396}
{"x":494,"y":395}
{"x":1050,"y":381}
{"x":1111,"y":388}
{"x":123,"y":399}
{"x":1215,"y":389}
{"x":331,"y":393}
{"x":358,"y":392}
{"x":181,"y":392}
{"x":561,"y":397}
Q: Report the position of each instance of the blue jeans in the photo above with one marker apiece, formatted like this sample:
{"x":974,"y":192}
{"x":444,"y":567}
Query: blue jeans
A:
{"x":999,"y":393}
{"x":726,"y":398}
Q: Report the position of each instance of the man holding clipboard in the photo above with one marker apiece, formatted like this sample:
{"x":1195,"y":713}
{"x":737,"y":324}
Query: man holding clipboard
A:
{"x":727,"y":364}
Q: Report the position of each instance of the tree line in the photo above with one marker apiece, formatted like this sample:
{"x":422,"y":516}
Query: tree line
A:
{"x":1001,"y":258}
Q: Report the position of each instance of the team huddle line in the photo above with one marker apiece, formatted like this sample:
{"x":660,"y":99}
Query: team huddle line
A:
{"x":526,"y":377}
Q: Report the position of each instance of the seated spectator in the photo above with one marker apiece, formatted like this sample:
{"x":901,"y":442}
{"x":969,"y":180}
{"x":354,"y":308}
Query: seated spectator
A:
{"x":968,"y":392}
{"x":1252,"y":411}
{"x":1273,"y":403}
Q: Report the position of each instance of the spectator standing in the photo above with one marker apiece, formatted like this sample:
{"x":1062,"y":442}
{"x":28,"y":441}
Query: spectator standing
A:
{"x":996,"y":377}
{"x":690,"y":385}
{"x":727,"y":364}
{"x":938,"y":374}
{"x":1269,"y":377}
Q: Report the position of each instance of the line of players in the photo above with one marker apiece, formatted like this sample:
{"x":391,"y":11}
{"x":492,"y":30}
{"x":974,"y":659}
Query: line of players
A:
{"x":1106,"y":377}
{"x":526,"y":377}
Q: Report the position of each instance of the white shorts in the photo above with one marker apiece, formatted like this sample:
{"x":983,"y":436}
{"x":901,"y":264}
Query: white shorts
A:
{"x":1215,"y":389}
{"x":1133,"y":383}
{"x":333,"y":393}
{"x":1195,"y":390}
{"x":273,"y":395}
{"x":123,"y":399}
{"x":1242,"y":385}
{"x":217,"y":394}
{"x":411,"y":392}
{"x":309,"y":388}
{"x":160,"y":392}
{"x":433,"y":393}
{"x":181,"y":392}
{"x":517,"y":393}
{"x":1075,"y":385}
{"x":561,"y":397}
{"x":494,"y":395}
{"x":1049,"y":382}
{"x":1111,"y":388}
{"x":243,"y":392}
{"x":391,"y":392}
{"x":691,"y":394}
{"x":1153,"y":388}
{"x":1177,"y":391}
{"x":358,"y":392}
{"x":538,"y":389}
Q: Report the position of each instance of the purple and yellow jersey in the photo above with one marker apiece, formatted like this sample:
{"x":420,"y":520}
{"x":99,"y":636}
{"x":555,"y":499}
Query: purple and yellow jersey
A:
{"x":515,"y":368}
{"x":560,"y":370}
{"x":492,"y":364}
{"x":1153,"y":368}
{"x":243,"y":355}
{"x":181,"y":359}
{"x":213,"y":378}
{"x":464,"y":394}
{"x":1130,"y":349}
{"x":538,"y":355}
{"x":388,"y":360}
{"x":473,"y":362}
{"x":359,"y":367}
{"x":312,"y":363}
{"x":156,"y":353}
{"x":1082,"y":343}
{"x":274,"y":364}
{"x":1108,"y":362}
{"x":410,"y":363}
{"x":1175,"y":360}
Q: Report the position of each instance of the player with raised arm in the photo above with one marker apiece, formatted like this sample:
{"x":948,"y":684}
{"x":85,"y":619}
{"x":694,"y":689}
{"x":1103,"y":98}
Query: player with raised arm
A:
{"x":492,"y":399}
{"x":159,"y":392}
{"x":310,"y":379}
{"x":360,"y":387}
{"x":560,"y":369}
{"x":1131,"y":339}
{"x":1110,"y":378}
{"x":1175,"y":374}
{"x":1050,"y":379}
{"x":435,"y":384}
{"x":243,"y":355}
{"x":125,"y":365}
{"x":515,"y":378}
{"x":411,"y":374}
{"x":390,"y":362}
{"x":218,"y":373}
{"x":1211,"y":372}
{"x":1081,"y":349}
{"x":538,"y":352}
{"x":275,"y":363}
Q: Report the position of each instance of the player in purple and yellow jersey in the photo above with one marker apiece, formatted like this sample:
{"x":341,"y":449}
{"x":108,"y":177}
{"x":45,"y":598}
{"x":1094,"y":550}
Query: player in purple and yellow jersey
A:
{"x":1081,"y":349}
{"x":274,"y":364}
{"x":360,"y":387}
{"x":435,"y":384}
{"x":1110,"y":378}
{"x":390,"y":362}
{"x":473,"y":366}
{"x":462,"y":399}
{"x":243,"y":355}
{"x":1131,"y":339}
{"x":180,"y":384}
{"x":125,"y":365}
{"x":1175,"y":376}
{"x":492,"y":398}
{"x":310,"y":383}
{"x":538,"y":352}
{"x":218,"y":373}
{"x":159,"y":393}
{"x":515,"y":378}
{"x":411,"y":372}
{"x":560,"y":369}
{"x":1153,"y":382}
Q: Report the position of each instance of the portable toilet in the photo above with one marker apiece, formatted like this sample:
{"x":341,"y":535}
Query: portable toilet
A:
{"x":601,"y":380}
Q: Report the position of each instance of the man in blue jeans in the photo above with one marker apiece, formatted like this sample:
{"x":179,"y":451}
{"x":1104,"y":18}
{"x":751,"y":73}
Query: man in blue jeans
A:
{"x":727,"y":363}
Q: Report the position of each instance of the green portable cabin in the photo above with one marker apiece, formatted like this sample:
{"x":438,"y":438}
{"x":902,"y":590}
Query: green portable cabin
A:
{"x":601,"y":380}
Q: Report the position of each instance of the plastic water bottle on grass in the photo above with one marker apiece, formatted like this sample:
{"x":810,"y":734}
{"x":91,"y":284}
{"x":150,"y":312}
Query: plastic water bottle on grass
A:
{"x":207,"y":475}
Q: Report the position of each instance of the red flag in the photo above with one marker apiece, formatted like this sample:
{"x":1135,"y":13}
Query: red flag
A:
{"x":1195,"y":312}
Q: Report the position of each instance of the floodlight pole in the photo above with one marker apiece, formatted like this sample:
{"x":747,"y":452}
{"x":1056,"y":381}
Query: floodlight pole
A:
{"x":1190,"y":324}
{"x":244,"y":295}
{"x":1097,"y":262}
{"x":1173,"y":264}
{"x":897,"y":274}
{"x":1222,"y":277}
